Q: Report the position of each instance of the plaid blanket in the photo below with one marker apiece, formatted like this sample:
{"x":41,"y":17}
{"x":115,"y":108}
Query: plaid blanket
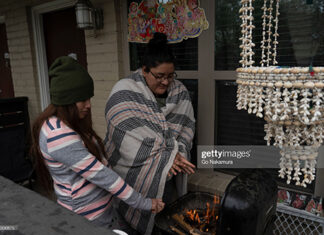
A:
{"x":143,"y":139}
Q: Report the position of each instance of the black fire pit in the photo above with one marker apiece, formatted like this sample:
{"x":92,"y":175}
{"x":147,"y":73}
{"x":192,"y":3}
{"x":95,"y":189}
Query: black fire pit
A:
{"x":248,"y":206}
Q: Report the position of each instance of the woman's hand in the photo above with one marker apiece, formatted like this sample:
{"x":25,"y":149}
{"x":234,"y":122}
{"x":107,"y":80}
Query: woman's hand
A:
{"x":157,"y":205}
{"x":181,"y":164}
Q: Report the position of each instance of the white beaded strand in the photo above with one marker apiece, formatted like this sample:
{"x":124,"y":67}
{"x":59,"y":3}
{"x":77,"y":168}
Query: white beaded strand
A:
{"x":270,"y":17}
{"x":276,"y":35}
{"x":264,"y":23}
{"x":251,"y":27}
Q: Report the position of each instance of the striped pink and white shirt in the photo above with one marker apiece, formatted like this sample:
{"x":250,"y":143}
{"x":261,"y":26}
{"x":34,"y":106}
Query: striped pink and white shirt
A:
{"x":82,"y":183}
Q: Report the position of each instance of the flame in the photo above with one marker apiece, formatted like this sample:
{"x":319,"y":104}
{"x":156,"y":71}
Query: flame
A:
{"x":213,"y":212}
{"x":190,"y":214}
{"x":216,"y":199}
{"x":216,"y":202}
{"x":208,"y":216}
{"x":207,"y":213}
{"x":197,"y":218}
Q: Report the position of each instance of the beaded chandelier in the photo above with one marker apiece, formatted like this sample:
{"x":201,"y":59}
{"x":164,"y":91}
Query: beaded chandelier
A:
{"x":289,"y":99}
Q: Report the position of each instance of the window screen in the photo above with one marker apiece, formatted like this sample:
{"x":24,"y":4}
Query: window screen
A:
{"x":186,"y":53}
{"x":233,"y":126}
{"x":301,"y":40}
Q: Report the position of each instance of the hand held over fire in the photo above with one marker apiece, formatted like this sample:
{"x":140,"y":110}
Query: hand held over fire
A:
{"x":181,"y":164}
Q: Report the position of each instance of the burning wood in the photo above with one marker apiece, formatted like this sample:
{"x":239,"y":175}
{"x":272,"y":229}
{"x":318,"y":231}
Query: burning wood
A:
{"x":177,"y":231}
{"x":187,"y":227}
{"x":199,"y":221}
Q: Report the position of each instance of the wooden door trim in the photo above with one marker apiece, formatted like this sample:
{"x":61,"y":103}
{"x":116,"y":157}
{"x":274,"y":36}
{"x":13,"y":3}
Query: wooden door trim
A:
{"x":39,"y":42}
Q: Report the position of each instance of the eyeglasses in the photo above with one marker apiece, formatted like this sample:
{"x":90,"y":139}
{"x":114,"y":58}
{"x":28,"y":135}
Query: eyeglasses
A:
{"x":161,"y":77}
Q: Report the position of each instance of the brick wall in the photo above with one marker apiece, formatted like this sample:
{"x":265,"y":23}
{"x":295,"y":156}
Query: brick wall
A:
{"x":103,"y":56}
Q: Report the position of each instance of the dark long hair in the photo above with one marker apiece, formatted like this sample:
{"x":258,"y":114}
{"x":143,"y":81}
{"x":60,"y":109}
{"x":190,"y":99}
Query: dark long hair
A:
{"x":157,"y":51}
{"x":70,"y":116}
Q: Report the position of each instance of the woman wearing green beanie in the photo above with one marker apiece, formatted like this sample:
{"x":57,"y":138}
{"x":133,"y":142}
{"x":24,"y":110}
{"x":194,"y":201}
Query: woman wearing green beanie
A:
{"x":69,"y":156}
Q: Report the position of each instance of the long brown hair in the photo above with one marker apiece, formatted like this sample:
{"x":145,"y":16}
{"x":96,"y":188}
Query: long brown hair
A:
{"x":70,"y":116}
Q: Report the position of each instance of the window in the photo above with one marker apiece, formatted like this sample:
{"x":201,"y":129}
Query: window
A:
{"x":186,"y":54}
{"x":192,"y":86}
{"x":301,"y":33}
{"x":235,"y":127}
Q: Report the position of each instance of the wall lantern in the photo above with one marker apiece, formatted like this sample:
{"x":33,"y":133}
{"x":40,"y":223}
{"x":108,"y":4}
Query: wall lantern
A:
{"x":87,"y":16}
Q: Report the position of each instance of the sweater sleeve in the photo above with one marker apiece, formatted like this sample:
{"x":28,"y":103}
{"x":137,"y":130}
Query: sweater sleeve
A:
{"x":65,"y":145}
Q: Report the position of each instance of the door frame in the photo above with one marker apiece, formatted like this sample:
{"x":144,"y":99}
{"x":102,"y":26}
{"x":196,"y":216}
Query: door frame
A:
{"x":39,"y":42}
{"x":3,"y":21}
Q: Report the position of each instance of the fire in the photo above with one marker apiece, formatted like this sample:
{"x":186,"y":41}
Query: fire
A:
{"x":204,"y":219}
{"x":216,"y":199}
{"x":191,"y":214}
{"x":207,"y":213}
{"x":197,"y":218}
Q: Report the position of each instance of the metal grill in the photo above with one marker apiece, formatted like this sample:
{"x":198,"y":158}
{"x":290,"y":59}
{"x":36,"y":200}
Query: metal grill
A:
{"x":293,"y":221}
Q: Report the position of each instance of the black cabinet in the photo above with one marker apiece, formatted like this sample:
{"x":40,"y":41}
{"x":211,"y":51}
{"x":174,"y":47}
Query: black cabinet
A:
{"x":15,"y":139}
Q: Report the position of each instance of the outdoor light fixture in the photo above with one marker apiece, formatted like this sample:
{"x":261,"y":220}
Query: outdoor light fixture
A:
{"x":87,"y":16}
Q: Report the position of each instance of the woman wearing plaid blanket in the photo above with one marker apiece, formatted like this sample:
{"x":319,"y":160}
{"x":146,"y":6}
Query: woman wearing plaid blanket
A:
{"x":150,"y":128}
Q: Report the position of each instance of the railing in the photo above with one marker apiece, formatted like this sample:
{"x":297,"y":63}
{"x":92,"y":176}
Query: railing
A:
{"x":292,"y":221}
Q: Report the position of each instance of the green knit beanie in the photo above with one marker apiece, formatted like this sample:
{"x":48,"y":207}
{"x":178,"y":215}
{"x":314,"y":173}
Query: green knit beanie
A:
{"x":70,"y":82}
